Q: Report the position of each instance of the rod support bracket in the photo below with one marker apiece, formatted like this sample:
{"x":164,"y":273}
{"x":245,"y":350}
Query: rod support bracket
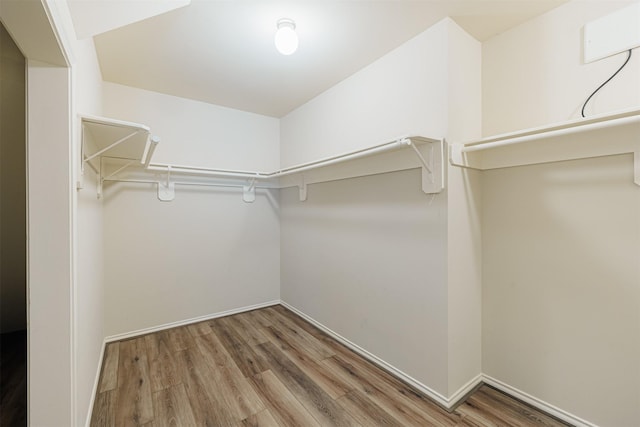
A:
{"x":166,"y":191}
{"x":302,"y":189}
{"x":249,"y":192}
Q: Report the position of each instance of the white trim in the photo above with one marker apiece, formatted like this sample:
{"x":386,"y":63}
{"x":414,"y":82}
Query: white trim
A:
{"x":458,"y":397}
{"x":447,"y":403}
{"x":145,"y":331}
{"x":57,"y":28}
{"x":94,"y":391}
{"x":537,"y":403}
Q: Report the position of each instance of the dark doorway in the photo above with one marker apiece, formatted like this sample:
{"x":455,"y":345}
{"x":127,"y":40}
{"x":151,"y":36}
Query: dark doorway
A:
{"x":13,"y":235}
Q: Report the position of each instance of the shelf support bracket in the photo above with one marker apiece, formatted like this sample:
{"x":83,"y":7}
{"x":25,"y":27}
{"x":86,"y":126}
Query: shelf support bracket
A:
{"x":167,"y":189}
{"x":302,"y":189}
{"x":432,"y":169}
{"x":249,"y":191}
{"x":115,"y":144}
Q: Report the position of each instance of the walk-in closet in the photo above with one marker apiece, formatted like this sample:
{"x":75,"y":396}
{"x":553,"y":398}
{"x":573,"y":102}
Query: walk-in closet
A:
{"x":427,"y":214}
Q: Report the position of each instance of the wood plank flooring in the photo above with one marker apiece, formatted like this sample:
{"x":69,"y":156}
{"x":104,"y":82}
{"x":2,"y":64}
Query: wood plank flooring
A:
{"x":269,"y":367}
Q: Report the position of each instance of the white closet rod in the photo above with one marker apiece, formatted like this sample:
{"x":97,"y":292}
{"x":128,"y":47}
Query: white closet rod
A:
{"x":377,"y":149}
{"x":551,"y":134}
{"x":200,"y":184}
{"x":194,"y":170}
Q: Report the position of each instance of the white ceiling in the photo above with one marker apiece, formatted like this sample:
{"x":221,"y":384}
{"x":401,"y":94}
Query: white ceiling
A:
{"x":222,"y":52}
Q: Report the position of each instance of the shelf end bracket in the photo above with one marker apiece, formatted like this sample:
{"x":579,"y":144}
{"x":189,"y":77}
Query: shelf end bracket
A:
{"x":432,"y":168}
{"x":456,"y":157}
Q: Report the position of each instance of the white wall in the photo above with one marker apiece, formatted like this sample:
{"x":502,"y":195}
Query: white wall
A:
{"x":400,"y":93}
{"x":366,"y":257}
{"x":207,"y":251}
{"x":561,"y":282}
{"x":49,"y":246}
{"x":203,"y":253}
{"x":88,"y":280}
{"x":534,"y":75}
{"x":90,"y":313}
{"x":464,"y":191}
{"x":561,"y":285}
{"x":369,"y":257}
{"x":196,"y":133}
{"x":89,"y":288}
{"x":13,"y":191}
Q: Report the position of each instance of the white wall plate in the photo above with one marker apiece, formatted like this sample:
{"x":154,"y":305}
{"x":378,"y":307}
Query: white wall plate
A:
{"x":614,"y":33}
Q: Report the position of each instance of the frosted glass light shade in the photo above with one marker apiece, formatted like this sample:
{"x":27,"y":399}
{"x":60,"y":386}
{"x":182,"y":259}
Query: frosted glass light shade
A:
{"x":286,"y":39}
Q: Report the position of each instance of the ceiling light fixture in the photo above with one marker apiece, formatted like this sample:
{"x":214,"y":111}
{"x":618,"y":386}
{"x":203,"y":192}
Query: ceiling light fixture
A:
{"x":286,"y":38}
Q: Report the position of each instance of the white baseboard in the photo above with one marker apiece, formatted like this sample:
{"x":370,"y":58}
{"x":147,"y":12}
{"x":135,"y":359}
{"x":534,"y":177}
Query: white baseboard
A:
{"x":94,"y":391}
{"x":145,"y":331}
{"x":443,"y":401}
{"x":537,"y":403}
{"x":458,"y":397}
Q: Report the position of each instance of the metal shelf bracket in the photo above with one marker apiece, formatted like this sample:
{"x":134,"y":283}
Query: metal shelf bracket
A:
{"x":432,"y":166}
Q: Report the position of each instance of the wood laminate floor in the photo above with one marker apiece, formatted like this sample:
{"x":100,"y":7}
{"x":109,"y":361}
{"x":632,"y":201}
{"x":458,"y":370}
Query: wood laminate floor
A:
{"x":13,"y":379}
{"x":269,"y":367}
